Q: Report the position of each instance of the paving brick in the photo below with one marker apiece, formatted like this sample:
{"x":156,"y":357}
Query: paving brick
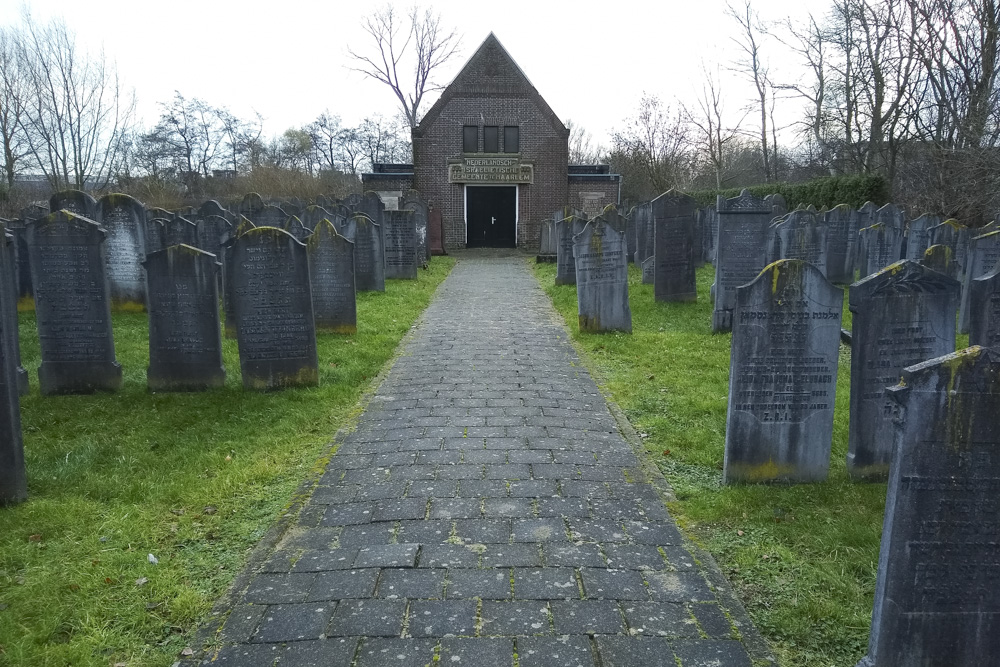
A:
{"x":635,"y":652}
{"x":712,"y":620}
{"x":653,"y":532}
{"x":711,"y":653}
{"x":400,"y":510}
{"x":564,"y":651}
{"x":433,"y":489}
{"x":388,"y":555}
{"x":534,"y":488}
{"x":660,"y":619}
{"x":432,"y":531}
{"x":455,"y":508}
{"x":634,"y":557}
{"x":613,"y":584}
{"x":343,"y":584}
{"x":486,"y":584}
{"x":578,"y":617}
{"x":241,"y":622}
{"x":483,"y":531}
{"x":371,"y":618}
{"x":479,"y":652}
{"x":441,"y":618}
{"x":512,"y":555}
{"x":319,"y":653}
{"x":367,"y":534}
{"x":319,"y":560}
{"x":349,"y":514}
{"x":539,"y":530}
{"x":545,"y":583}
{"x":525,"y":617}
{"x":279,"y":588}
{"x":482,"y":488}
{"x":495,"y":508}
{"x":394,"y":652}
{"x":679,"y":587}
{"x":293,"y":622}
{"x":572,"y":555}
{"x":564,"y":507}
{"x":411,"y":583}
{"x":243,"y":655}
{"x":597,"y":530}
{"x":448,"y":555}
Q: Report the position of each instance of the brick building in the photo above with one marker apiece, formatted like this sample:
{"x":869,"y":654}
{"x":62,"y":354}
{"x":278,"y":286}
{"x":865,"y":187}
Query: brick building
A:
{"x":493,"y":157}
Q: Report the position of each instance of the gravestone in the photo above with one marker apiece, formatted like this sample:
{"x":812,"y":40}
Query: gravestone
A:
{"x":178,"y":230}
{"x":325,"y":201}
{"x":783,"y":376}
{"x":411,"y":202}
{"x":155,"y":234}
{"x":891,"y":216}
{"x":938,"y":257}
{"x":566,"y":230}
{"x":354,"y":199}
{"x":435,"y":232}
{"x":213,"y":231}
{"x":72,"y":305}
{"x":777,"y":203}
{"x":864,"y":218}
{"x":673,"y":247}
{"x":22,"y":266}
{"x":902,"y":315}
{"x":123,"y":218}
{"x":547,"y":245}
{"x":371,"y":205}
{"x":918,"y":235}
{"x":400,"y":245}
{"x":212,"y":207}
{"x":840,"y":233}
{"x":936,"y":596}
{"x":956,"y":236}
{"x":984,"y":252}
{"x":313,"y":214}
{"x":251,"y":204}
{"x":712,"y":234}
{"x":741,"y":251}
{"x":13,"y":474}
{"x":369,"y":267}
{"x":331,"y":272}
{"x":881,"y":245}
{"x":802,"y":235}
{"x":228,"y":274}
{"x":294,"y":226}
{"x":157,"y":213}
{"x":185,"y":345}
{"x":269,"y":216}
{"x":984,"y":310}
{"x":74,"y":201}
{"x":630,"y":232}
{"x":614,"y":219}
{"x":291,"y":207}
{"x":602,"y":278}
{"x":649,"y":271}
{"x":274,"y":316}
{"x":644,"y":232}
{"x":8,"y":269}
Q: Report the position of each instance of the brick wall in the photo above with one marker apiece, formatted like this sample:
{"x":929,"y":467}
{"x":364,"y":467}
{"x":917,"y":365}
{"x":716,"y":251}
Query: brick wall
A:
{"x":591,"y":194}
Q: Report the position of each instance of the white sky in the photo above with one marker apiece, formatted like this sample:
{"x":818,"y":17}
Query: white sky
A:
{"x":287,"y":59}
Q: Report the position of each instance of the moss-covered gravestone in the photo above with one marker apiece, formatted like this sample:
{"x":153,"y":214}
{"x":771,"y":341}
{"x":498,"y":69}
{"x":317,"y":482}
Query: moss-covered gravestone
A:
{"x":293,"y":225}
{"x":673,"y":247}
{"x":274,"y":315}
{"x":918,"y":237}
{"x":72,"y":305}
{"x":984,"y":310}
{"x":369,"y":266}
{"x":783,"y":376}
{"x":881,"y":245}
{"x":903,"y":315}
{"x":939,"y":258}
{"x":179,"y":231}
{"x":331,"y":272}
{"x":956,"y":236}
{"x":123,"y":218}
{"x":984,"y":254}
{"x":741,"y":252}
{"x":937,"y":602}
{"x":400,"y":233}
{"x":185,"y":344}
{"x":251,"y":204}
{"x":802,"y":234}
{"x":74,"y":201}
{"x":313,"y":214}
{"x":566,"y":230}
{"x":602,"y":278}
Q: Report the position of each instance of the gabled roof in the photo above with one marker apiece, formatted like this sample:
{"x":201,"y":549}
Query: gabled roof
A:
{"x":487,"y":72}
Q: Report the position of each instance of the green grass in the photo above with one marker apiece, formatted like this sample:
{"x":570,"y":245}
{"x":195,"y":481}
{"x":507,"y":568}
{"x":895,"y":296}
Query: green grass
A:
{"x":802,"y":558}
{"x":194,"y":479}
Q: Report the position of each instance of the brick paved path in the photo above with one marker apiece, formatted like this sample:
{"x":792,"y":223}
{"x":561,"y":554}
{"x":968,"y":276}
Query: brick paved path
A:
{"x":486,"y":509}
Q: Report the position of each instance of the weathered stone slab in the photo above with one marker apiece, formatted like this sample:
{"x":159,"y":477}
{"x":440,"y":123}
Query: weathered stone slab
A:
{"x":938,"y":257}
{"x":984,"y":253}
{"x":228,"y":274}
{"x":72,"y":305}
{"x":331,"y":272}
{"x":212,"y":232}
{"x":185,"y":343}
{"x":370,"y":204}
{"x":984,"y":310}
{"x":312,"y":215}
{"x":369,"y":267}
{"x":13,"y":474}
{"x":936,"y":598}
{"x":400,"y":245}
{"x":412,"y":202}
{"x":783,"y":376}
{"x":741,"y":251}
{"x":547,"y":245}
{"x":800,"y":235}
{"x":777,"y":203}
{"x":602,"y":278}
{"x":155,"y":234}
{"x":918,"y":235}
{"x":644,"y":232}
{"x":903,"y":315}
{"x":8,"y":269}
{"x":673,"y":247}
{"x":294,"y":226}
{"x":251,"y":204}
{"x":881,"y":245}
{"x":157,"y":213}
{"x":630,"y":232}
{"x":566,"y":230}
{"x":212,"y":207}
{"x":274,"y":315}
{"x":956,"y":236}
{"x":863,"y":218}
{"x":435,"y":232}
{"x":178,"y":230}
{"x":123,"y":218}
{"x":649,"y":271}
{"x":839,"y":223}
{"x":270,"y":216}
{"x":74,"y":201}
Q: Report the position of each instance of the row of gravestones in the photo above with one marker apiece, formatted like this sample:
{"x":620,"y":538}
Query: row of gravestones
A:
{"x":921,"y":415}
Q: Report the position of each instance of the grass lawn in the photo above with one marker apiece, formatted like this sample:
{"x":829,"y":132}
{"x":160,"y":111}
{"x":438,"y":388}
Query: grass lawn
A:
{"x":802,"y":558}
{"x":194,"y":480}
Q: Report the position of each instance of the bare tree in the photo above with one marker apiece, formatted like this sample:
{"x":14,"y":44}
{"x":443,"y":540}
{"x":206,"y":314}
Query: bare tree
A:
{"x":76,"y":121}
{"x":714,"y":136}
{"x":653,"y":151}
{"x":582,"y":150}
{"x":409,"y":51}
{"x":241,"y":137}
{"x":752,"y":65}
{"x":13,"y":97}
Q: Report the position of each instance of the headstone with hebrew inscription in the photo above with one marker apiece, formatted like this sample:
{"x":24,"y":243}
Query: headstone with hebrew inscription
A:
{"x":984,"y":253}
{"x":839,"y":223}
{"x":370,"y":204}
{"x":312,"y":215}
{"x":918,"y":235}
{"x":566,"y":230}
{"x":602,"y":278}
{"x":412,"y":202}
{"x":270,"y":216}
{"x":369,"y":266}
{"x":783,"y":376}
{"x":228,"y":273}
{"x":939,"y":258}
{"x":936,"y":596}
{"x":123,"y":218}
{"x":72,"y":305}
{"x":74,"y":201}
{"x":400,"y":244}
{"x":212,"y":232}
{"x":802,"y":234}
{"x":673,"y":247}
{"x":294,"y":226}
{"x":274,"y":316}
{"x":331,"y":272}
{"x":984,"y":310}
{"x":741,"y":252}
{"x":178,"y":231}
{"x":185,"y":342}
{"x":155,"y":234}
{"x":881,"y":245}
{"x":251,"y":204}
{"x":956,"y":236}
{"x":902,"y":315}
{"x":212,"y":207}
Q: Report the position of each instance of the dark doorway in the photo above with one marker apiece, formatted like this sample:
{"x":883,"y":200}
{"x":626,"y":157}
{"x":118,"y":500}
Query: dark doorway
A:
{"x":491,"y":216}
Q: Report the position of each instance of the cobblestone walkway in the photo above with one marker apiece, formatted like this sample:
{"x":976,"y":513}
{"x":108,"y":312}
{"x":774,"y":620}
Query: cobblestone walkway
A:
{"x":486,"y":512}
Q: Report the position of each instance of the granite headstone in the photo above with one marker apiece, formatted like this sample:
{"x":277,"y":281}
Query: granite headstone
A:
{"x":673,"y":247}
{"x":602,"y":278}
{"x":331,"y":271}
{"x":123,"y":218}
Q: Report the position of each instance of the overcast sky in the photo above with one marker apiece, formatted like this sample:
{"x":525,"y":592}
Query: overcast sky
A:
{"x":591,"y":61}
